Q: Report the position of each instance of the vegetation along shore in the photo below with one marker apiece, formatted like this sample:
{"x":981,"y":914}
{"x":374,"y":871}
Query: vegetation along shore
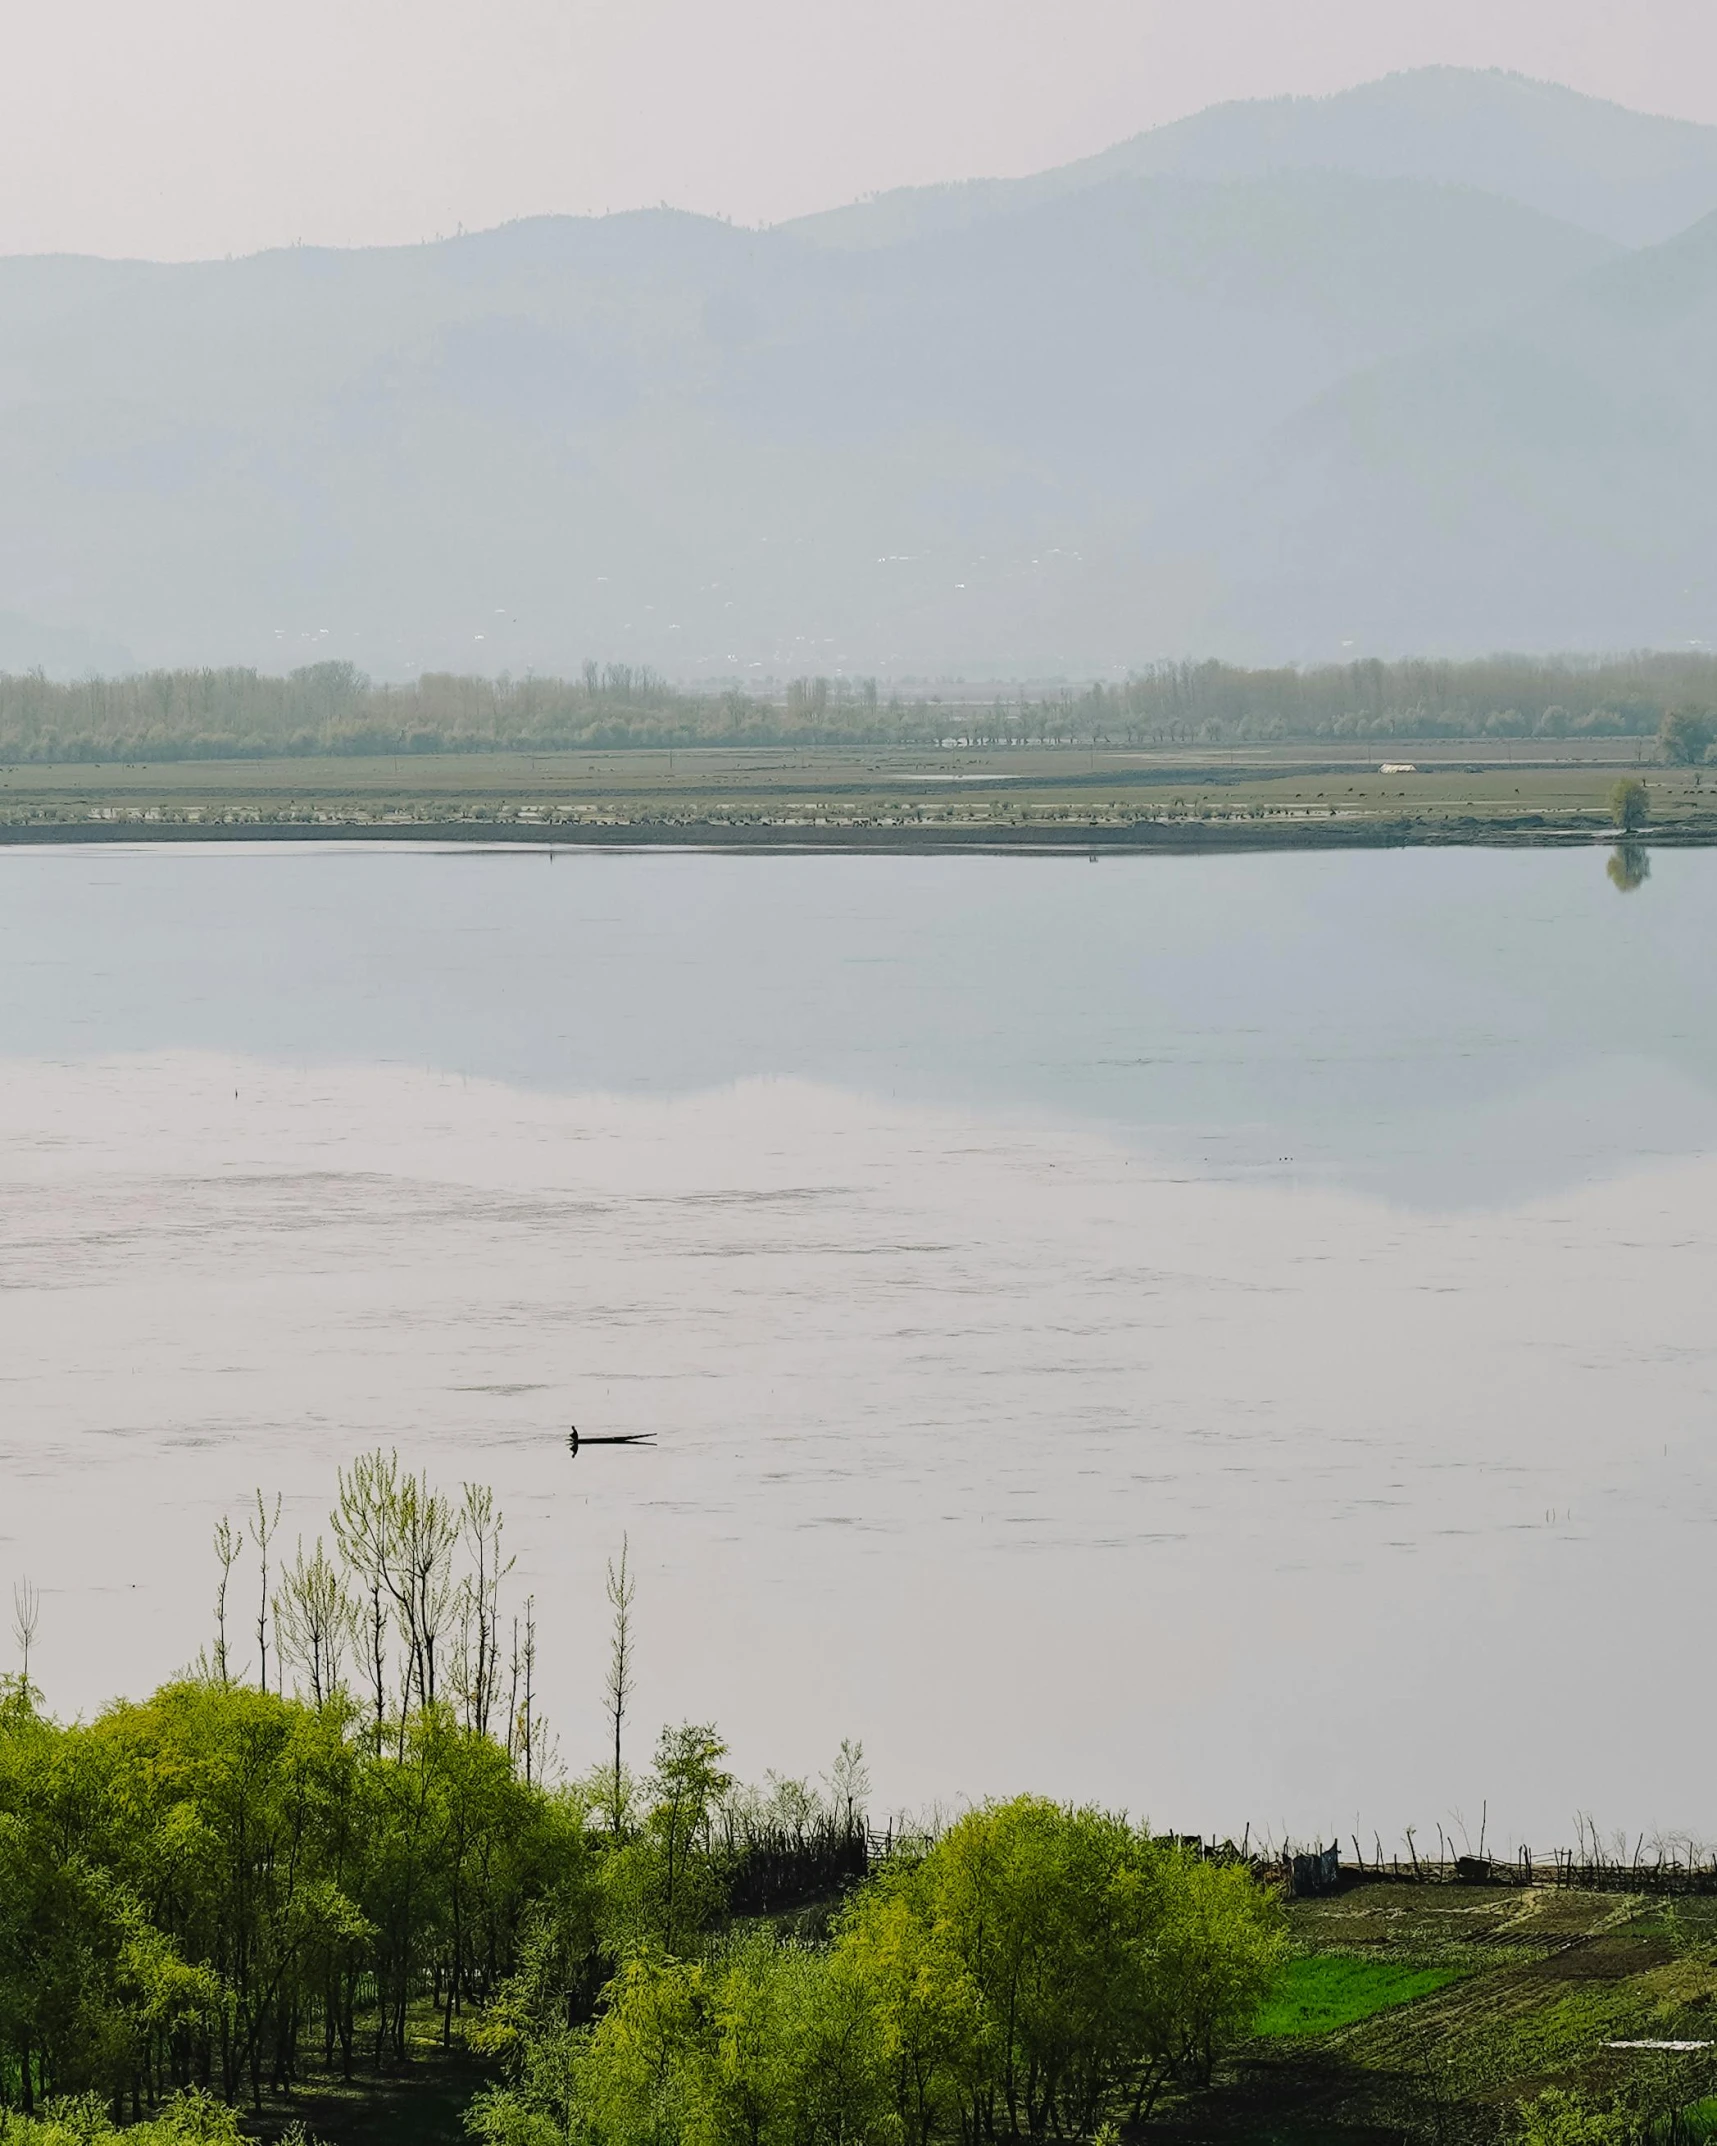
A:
{"x":1091,"y":799}
{"x":335,"y":1880}
{"x":1192,"y":758}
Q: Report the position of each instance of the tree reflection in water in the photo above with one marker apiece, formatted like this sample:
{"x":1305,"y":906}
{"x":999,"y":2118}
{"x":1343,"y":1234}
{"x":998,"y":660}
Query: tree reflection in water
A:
{"x":1629,"y":866}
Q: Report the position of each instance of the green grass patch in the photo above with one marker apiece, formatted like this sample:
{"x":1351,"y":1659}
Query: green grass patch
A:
{"x":1321,"y":1991}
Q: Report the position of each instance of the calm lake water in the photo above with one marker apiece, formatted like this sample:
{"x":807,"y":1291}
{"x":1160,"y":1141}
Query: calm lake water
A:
{"x":1230,"y":1336}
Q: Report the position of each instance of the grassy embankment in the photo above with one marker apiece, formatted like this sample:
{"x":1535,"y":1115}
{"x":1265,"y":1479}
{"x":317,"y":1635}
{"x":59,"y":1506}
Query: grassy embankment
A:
{"x":905,"y":799}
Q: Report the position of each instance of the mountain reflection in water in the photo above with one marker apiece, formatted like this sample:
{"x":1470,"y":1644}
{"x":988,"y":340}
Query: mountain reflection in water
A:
{"x":1116,"y":1331}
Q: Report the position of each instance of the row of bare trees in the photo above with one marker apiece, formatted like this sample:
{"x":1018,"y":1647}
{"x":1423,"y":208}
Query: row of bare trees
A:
{"x":405,"y":1610}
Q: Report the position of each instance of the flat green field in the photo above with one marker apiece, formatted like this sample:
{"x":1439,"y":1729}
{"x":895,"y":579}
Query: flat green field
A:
{"x":1435,"y":2012}
{"x":1320,"y":1992}
{"x":995,"y":797}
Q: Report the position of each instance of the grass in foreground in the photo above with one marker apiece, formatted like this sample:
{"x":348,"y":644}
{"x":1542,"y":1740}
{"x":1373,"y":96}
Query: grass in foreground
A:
{"x":1319,"y":1993}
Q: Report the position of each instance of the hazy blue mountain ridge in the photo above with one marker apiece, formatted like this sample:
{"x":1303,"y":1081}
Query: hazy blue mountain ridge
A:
{"x":1132,"y":417}
{"x":1561,"y":465}
{"x":1625,"y":175}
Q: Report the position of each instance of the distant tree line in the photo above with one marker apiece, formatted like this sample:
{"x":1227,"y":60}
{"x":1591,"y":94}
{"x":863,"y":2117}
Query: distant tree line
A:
{"x":333,"y":708}
{"x":1494,"y":698}
{"x":345,"y":1830}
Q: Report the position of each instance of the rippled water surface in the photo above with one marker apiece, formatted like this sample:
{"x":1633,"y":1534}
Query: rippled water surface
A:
{"x":1233,"y":1336}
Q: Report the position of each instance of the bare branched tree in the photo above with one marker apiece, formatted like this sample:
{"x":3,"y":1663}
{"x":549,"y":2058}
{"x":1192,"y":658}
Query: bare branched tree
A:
{"x":229,"y":1544}
{"x":396,"y":1536}
{"x":425,"y":1530}
{"x":848,"y":1784}
{"x":263,"y":1524}
{"x":315,"y":1620}
{"x":621,"y":1588}
{"x":362,"y":1521}
{"x":525,"y":1732}
{"x":26,"y":1617}
{"x":477,"y":1669}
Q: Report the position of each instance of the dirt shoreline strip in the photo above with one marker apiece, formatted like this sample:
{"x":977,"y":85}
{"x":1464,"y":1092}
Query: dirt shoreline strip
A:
{"x":1186,"y":837}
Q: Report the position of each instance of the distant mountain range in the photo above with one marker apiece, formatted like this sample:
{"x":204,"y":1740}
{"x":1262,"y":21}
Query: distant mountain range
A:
{"x":1621,"y":174}
{"x":1424,"y":367}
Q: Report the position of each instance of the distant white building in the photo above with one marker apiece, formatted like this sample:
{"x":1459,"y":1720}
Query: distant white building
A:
{"x":1398,"y":767}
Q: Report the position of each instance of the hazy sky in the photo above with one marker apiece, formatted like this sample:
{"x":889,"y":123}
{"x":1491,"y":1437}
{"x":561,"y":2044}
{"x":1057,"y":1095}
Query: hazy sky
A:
{"x":179,"y":128}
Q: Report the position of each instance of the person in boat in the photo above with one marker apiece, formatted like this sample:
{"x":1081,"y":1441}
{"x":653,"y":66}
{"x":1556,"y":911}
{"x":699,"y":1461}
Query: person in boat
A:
{"x":611,"y":1438}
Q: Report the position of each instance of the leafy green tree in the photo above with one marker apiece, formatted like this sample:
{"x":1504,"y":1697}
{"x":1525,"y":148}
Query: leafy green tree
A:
{"x":1217,"y":1953}
{"x":1629,"y":803}
{"x":196,"y":1887}
{"x":1067,"y":1968}
{"x":1687,"y":735}
{"x":764,"y":2043}
{"x":231,"y":1800}
{"x":927,"y":2013}
{"x":1038,"y":1974}
{"x":87,"y":1981}
{"x":664,"y":1888}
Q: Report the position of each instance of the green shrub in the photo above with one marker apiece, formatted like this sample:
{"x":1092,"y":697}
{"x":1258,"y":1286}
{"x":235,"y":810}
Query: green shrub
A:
{"x":84,"y":2120}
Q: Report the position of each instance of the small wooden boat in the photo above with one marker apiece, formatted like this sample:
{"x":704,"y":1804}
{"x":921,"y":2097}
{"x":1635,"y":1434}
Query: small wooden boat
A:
{"x":575,"y":1439}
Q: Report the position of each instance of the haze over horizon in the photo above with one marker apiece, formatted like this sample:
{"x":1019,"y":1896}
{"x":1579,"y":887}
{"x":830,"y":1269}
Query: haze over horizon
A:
{"x":193,"y":132}
{"x":1417,"y":367}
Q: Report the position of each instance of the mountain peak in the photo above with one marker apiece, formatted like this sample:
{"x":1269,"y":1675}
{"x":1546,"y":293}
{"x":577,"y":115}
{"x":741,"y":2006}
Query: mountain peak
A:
{"x":1624,"y":175}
